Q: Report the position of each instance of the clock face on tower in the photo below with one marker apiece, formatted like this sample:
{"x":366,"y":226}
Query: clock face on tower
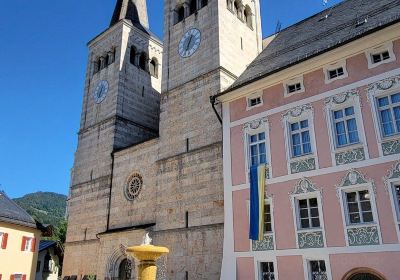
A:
{"x":190,"y":42}
{"x":100,"y":93}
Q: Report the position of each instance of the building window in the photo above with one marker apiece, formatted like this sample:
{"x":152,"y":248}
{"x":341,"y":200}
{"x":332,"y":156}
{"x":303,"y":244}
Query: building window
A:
{"x":379,"y":57}
{"x":132,"y":56}
{"x":300,"y":138}
{"x":254,"y":100}
{"x":257,"y":148}
{"x":397,"y":200}
{"x":267,"y":219}
{"x":308,"y":213}
{"x":204,"y":3}
{"x":193,"y":6}
{"x":335,"y":73}
{"x":294,"y":88}
{"x":18,"y":277}
{"x":389,"y":114}
{"x":248,"y":17}
{"x":345,"y":126}
{"x":181,"y":13}
{"x":236,"y":9}
{"x":143,"y":61}
{"x":28,"y":244}
{"x":153,"y":67}
{"x":3,"y":240}
{"x":267,"y":271}
{"x":317,"y":270}
{"x":359,"y":209}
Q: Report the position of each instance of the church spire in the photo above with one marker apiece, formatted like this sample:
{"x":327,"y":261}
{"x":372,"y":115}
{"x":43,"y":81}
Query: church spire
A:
{"x":133,"y":10}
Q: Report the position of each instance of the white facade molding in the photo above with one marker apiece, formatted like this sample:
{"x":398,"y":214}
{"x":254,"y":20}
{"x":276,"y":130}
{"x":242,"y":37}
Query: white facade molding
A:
{"x":353,"y":152}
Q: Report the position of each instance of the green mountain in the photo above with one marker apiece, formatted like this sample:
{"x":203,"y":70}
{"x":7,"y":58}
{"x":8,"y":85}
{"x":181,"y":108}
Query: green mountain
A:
{"x":45,"y":207}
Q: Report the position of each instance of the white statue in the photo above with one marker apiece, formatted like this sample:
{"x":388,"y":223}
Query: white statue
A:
{"x":146,"y":239}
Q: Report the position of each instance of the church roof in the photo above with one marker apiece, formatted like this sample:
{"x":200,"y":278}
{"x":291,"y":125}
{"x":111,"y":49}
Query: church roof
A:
{"x":327,"y":30}
{"x":10,"y":212}
{"x":126,"y":9}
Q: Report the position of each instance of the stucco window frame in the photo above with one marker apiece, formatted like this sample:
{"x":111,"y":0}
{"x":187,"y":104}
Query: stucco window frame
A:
{"x":377,"y":90}
{"x":254,"y":96}
{"x":338,"y":102}
{"x":393,"y":183}
{"x":392,"y":180}
{"x":300,"y":193}
{"x":316,"y":256}
{"x":341,"y":192}
{"x":388,"y":46}
{"x":297,"y":114}
{"x":267,"y":201}
{"x":335,"y":66}
{"x":262,"y":259}
{"x":296,"y":80}
{"x":252,"y":128}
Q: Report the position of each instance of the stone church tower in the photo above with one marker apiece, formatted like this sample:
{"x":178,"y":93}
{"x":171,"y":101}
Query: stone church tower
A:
{"x":149,"y":155}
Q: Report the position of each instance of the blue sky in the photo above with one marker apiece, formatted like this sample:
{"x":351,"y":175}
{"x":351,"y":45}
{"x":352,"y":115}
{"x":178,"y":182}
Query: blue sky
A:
{"x":43,"y":55}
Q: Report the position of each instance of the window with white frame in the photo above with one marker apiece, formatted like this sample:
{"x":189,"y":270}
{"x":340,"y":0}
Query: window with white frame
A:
{"x":28,"y":244}
{"x":358,"y":207}
{"x":257,"y":149}
{"x":300,"y":138}
{"x":308,"y":213}
{"x":254,"y":100}
{"x":267,"y":271}
{"x":396,"y":194}
{"x":18,"y":277}
{"x":345,"y":127}
{"x":293,"y":86}
{"x":1,"y":238}
{"x":380,"y":55}
{"x":389,"y":114}
{"x":267,"y":219}
{"x":317,"y":270}
{"x":335,"y":72}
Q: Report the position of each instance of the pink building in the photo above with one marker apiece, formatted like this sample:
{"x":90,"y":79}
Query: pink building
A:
{"x":320,"y":108}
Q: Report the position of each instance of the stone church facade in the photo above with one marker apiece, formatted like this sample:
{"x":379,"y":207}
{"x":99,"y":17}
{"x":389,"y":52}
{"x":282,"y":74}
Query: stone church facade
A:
{"x":149,"y":156}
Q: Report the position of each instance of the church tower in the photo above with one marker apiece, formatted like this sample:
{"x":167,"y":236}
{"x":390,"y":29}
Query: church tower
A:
{"x":120,"y":108}
{"x":207,"y":45}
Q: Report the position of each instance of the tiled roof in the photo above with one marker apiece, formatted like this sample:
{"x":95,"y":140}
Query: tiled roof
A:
{"x":327,"y":30}
{"x":10,"y":212}
{"x":44,"y":244}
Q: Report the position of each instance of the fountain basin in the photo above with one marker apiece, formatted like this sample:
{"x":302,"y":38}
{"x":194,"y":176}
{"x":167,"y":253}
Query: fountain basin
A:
{"x":147,"y":252}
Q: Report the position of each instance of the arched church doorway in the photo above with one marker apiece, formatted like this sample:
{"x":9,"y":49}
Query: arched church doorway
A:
{"x":363,"y":274}
{"x":125,"y":270}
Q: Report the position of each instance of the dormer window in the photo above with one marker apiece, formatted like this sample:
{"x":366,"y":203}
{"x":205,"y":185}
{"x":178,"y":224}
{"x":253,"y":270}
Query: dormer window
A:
{"x":335,"y":72}
{"x":254,"y":100}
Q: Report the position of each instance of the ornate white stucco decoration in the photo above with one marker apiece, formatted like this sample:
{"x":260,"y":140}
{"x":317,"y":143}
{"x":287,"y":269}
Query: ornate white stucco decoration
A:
{"x":256,"y":124}
{"x":352,"y":178}
{"x":297,"y":112}
{"x":392,"y":173}
{"x":383,"y":85}
{"x":342,"y":97}
{"x":304,"y":186}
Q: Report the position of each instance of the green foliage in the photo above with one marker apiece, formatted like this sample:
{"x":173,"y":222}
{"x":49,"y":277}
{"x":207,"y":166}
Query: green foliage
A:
{"x":60,"y":232}
{"x":45,"y":207}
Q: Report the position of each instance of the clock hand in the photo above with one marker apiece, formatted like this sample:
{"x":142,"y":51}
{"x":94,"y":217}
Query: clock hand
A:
{"x":188,"y":44}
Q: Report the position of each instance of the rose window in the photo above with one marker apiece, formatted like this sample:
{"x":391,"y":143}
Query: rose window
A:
{"x":134,"y":186}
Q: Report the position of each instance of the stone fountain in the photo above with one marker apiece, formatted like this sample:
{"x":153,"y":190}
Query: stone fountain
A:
{"x":147,"y":255}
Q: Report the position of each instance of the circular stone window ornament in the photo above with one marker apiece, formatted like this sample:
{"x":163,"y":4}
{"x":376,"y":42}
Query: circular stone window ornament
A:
{"x":133,"y":186}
